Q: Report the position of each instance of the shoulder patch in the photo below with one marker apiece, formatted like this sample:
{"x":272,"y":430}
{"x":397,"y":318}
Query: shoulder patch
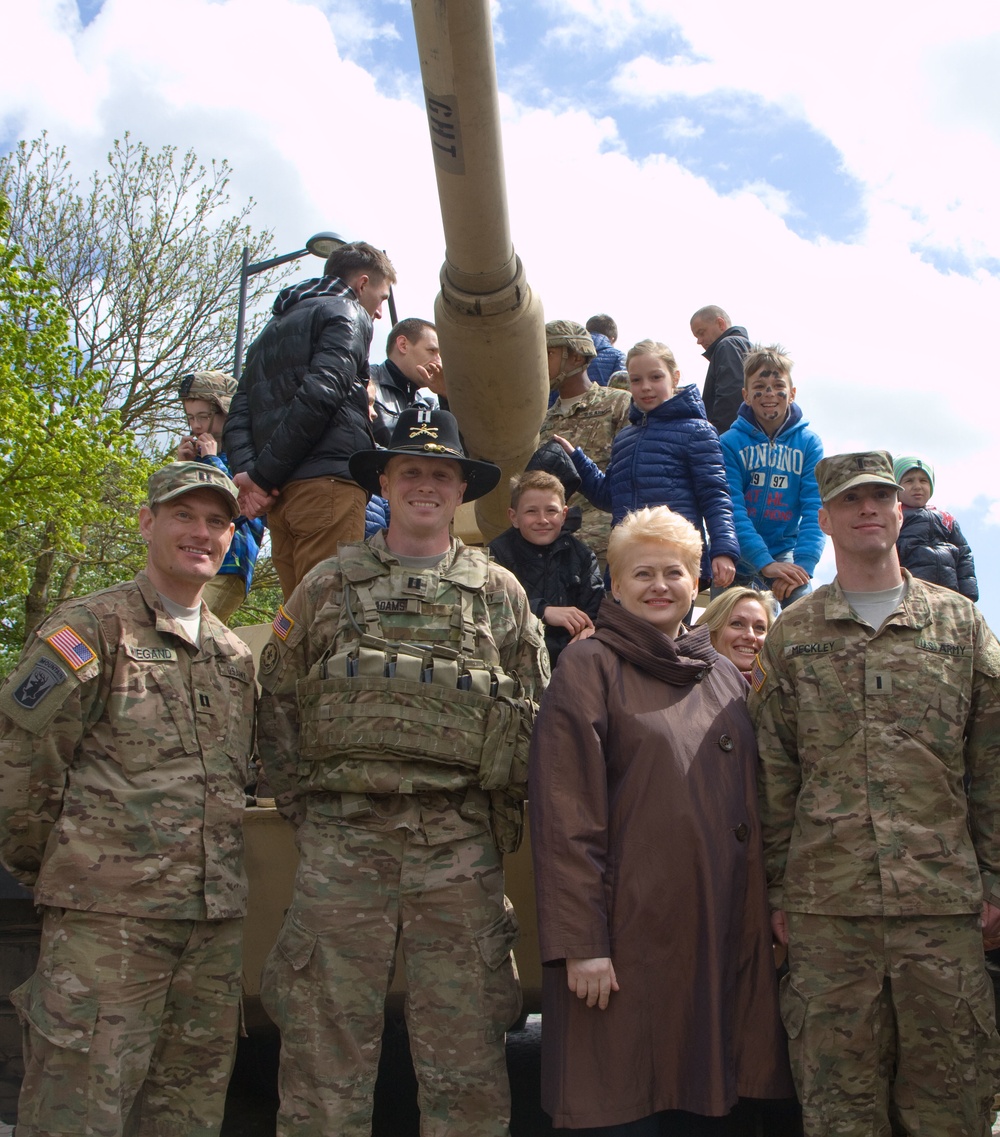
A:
{"x":758,"y":676}
{"x":282,"y":623}
{"x":69,"y":645}
{"x":269,"y":658}
{"x":43,"y":677}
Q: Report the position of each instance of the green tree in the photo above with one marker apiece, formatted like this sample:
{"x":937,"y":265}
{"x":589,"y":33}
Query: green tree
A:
{"x":145,"y":260}
{"x":57,"y":443}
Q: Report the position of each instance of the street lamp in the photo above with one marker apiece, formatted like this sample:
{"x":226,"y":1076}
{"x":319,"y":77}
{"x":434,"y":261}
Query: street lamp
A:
{"x":320,"y":245}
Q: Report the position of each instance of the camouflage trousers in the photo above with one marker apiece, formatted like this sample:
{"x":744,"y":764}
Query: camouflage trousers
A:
{"x":357,"y":892}
{"x":891,"y":1025}
{"x":130,"y":1026}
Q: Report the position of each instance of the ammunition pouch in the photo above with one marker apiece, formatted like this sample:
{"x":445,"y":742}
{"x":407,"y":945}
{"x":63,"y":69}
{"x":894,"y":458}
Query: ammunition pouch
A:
{"x":396,"y":718}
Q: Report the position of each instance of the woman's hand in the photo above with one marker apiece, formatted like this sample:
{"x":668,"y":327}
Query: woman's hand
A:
{"x":592,"y":979}
{"x":567,"y":446}
{"x":723,"y":571}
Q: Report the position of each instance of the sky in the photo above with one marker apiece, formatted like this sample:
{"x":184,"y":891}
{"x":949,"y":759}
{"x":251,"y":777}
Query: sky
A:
{"x":828,"y":174}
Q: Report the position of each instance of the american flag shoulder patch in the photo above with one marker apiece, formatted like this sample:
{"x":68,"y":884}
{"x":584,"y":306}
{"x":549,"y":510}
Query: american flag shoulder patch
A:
{"x":757,"y":674}
{"x":282,"y":623}
{"x":69,"y":645}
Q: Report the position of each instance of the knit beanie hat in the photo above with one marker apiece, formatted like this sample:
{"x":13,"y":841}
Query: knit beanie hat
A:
{"x":909,"y":462}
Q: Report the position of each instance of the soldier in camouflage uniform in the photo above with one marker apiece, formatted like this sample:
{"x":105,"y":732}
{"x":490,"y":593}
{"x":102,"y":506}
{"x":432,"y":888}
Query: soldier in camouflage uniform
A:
{"x":398,"y":696}
{"x":877,"y":706}
{"x":586,"y":414}
{"x":125,"y":732}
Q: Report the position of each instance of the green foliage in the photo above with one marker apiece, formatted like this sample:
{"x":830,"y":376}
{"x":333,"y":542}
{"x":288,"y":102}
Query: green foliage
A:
{"x":110,"y":292}
{"x":57,"y":440}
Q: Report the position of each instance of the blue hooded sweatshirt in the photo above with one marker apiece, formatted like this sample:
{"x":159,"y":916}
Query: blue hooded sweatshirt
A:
{"x":773,"y":486}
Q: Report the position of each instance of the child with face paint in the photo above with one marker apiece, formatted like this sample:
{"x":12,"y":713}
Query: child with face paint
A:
{"x":770,"y":457}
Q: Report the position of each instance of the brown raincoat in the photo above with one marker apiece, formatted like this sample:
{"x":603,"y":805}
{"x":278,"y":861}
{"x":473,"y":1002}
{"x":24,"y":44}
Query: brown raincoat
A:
{"x":647,"y":849}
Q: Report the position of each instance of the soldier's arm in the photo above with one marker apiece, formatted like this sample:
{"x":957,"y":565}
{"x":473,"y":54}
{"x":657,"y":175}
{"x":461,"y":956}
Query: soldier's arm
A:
{"x":982,"y":759}
{"x":46,"y":705}
{"x":284,"y":660}
{"x":522,"y":642}
{"x":779,"y":775}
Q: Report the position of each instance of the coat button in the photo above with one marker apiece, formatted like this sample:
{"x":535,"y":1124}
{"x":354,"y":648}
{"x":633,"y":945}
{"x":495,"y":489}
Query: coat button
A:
{"x":726,"y":742}
{"x":742,"y":831}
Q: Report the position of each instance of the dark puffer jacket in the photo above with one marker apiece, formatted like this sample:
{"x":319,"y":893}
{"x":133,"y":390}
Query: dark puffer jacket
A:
{"x":932,"y":547}
{"x":301,"y":408}
{"x":670,"y":456}
{"x":563,"y":574}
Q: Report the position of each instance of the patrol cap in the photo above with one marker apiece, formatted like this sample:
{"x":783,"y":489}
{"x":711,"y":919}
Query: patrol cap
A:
{"x":430,"y":433}
{"x":567,"y":333}
{"x":216,"y":387}
{"x":182,"y":477}
{"x":911,"y":462}
{"x":842,"y":472}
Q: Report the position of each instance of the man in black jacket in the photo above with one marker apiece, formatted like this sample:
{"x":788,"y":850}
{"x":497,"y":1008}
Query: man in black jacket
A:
{"x":301,"y":410}
{"x":724,"y":345}
{"x":413,"y":360}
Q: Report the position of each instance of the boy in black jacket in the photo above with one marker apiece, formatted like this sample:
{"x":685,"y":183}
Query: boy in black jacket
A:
{"x":930,"y":543}
{"x":558,"y":572}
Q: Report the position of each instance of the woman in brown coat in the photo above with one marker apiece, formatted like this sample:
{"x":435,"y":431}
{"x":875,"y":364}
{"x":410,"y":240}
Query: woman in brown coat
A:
{"x":659,"y":992}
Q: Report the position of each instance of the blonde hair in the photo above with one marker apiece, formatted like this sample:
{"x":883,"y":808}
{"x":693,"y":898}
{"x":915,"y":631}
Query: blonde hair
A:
{"x":536,"y":480}
{"x":717,"y":615}
{"x":652,"y":347}
{"x":773,"y":356}
{"x":655,"y":523}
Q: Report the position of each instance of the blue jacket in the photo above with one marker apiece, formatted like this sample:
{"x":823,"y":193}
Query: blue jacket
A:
{"x":669,"y":456}
{"x":774,"y":492}
{"x":242,"y":555}
{"x":609,"y":360}
{"x":932,"y":546}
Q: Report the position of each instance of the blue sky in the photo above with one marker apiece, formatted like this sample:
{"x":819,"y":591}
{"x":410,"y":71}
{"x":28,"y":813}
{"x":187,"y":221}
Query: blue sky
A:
{"x":828,"y":175}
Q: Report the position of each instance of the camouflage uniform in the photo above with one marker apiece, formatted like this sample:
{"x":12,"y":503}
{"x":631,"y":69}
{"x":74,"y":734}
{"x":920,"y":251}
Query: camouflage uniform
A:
{"x":123,"y":760}
{"x":881,"y":855}
{"x":591,"y":424}
{"x":380,"y":861}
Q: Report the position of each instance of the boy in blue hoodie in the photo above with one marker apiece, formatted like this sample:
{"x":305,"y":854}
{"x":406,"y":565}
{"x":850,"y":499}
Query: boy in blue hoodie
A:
{"x":771,"y":457}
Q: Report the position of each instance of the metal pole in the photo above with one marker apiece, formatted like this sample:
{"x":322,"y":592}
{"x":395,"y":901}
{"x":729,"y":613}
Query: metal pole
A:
{"x":242,"y":313}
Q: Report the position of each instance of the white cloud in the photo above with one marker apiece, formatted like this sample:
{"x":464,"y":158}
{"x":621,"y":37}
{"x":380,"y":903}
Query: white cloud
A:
{"x":889,"y":351}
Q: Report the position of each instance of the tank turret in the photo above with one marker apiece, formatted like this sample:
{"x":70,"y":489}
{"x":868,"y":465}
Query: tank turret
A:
{"x":489,"y":322}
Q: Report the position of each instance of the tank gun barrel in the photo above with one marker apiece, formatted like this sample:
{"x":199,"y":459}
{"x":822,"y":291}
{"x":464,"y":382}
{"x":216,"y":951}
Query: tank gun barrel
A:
{"x":490,"y":324}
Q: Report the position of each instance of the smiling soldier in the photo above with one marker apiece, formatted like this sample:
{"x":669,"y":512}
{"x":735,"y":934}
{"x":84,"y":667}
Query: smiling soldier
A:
{"x":877,"y":706}
{"x":125,"y":732}
{"x":398,"y":696}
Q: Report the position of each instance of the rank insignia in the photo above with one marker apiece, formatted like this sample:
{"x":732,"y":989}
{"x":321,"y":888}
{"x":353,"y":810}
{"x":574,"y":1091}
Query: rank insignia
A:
{"x":69,"y":645}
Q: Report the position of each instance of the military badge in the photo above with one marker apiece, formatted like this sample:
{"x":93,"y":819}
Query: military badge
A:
{"x":282,"y":624}
{"x":758,"y":676}
{"x":69,"y":645}
{"x":40,"y":681}
{"x":268,"y":658}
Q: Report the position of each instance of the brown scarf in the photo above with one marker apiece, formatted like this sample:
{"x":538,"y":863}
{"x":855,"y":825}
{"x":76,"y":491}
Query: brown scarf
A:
{"x":686,"y":659}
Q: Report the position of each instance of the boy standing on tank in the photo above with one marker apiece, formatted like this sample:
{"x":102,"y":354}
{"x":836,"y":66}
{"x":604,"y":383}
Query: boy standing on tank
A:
{"x":771,"y":457}
{"x":558,"y":572}
{"x":930,"y":543}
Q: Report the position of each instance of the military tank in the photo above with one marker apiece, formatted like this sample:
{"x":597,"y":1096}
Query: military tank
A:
{"x":486,"y":315}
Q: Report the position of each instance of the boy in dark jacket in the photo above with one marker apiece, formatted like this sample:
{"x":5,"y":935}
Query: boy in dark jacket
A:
{"x":558,"y":572}
{"x":930,"y":543}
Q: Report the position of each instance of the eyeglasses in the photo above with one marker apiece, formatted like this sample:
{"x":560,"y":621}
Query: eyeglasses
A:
{"x":202,"y":417}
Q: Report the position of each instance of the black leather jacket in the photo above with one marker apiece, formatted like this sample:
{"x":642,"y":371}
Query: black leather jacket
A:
{"x":393,"y":394}
{"x":301,"y":408}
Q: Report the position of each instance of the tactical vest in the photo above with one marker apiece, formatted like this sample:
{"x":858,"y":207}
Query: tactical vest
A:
{"x":404,"y":701}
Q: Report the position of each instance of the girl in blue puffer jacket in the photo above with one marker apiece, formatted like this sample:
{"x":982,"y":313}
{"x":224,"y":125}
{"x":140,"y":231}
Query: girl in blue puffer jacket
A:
{"x":668,"y":455}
